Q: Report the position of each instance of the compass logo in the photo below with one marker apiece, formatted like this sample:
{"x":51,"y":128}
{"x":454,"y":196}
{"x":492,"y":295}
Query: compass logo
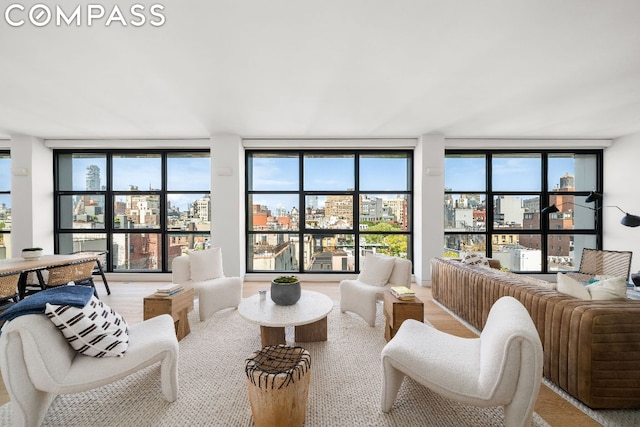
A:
{"x":41,"y":15}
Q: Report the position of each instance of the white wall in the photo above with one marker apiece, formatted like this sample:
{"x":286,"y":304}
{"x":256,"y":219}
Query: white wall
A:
{"x":31,"y":194}
{"x":227,"y":201}
{"x":428,"y":219}
{"x":622,"y":188}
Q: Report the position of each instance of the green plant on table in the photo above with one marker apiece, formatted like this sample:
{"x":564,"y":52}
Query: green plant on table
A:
{"x":286,"y":279}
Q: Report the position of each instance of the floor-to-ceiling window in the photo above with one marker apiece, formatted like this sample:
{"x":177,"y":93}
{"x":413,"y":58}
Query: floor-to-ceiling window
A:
{"x":5,"y":204}
{"x":322,"y":211}
{"x":143,"y":207}
{"x":493,"y":202}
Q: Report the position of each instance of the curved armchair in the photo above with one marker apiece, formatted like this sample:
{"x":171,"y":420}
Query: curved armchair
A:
{"x":378,"y":274}
{"x":37,"y":363}
{"x":213,"y":290}
{"x":503,"y":367}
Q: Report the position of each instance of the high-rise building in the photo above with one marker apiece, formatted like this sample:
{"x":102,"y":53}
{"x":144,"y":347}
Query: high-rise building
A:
{"x":93,"y":178}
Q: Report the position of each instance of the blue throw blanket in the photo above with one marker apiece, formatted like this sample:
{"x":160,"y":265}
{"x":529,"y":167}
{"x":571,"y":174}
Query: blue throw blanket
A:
{"x":77,"y":296}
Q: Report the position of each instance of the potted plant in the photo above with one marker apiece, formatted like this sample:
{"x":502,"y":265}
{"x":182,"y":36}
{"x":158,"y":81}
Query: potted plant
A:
{"x":285,"y":290}
{"x":31,"y":253}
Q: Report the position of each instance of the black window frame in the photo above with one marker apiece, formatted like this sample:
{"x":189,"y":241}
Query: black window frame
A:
{"x":4,"y":231}
{"x":109,"y":196}
{"x":545,"y":195}
{"x":302,"y":194}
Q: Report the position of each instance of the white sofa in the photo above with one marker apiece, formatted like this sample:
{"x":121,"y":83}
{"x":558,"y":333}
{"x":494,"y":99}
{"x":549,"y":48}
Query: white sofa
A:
{"x":37,"y":363}
{"x":213,"y":294}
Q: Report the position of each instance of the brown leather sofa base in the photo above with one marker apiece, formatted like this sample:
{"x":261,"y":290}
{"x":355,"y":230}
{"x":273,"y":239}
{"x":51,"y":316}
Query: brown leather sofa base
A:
{"x":591,"y":348}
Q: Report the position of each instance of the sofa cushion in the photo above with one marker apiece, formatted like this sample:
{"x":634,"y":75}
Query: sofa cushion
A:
{"x":608,"y":288}
{"x":93,"y":330}
{"x":206,"y":264}
{"x":569,"y":286}
{"x":475,"y":259}
{"x":376,"y":270}
{"x":604,"y":288}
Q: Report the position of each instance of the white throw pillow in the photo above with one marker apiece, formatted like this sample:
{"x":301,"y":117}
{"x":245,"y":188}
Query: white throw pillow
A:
{"x":401,"y":272}
{"x":609,"y":288}
{"x":475,"y":259}
{"x":376,"y":270}
{"x":206,"y":264}
{"x":572,"y":287}
{"x":93,"y":330}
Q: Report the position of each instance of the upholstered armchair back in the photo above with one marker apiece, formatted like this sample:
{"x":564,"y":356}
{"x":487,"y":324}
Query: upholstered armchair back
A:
{"x":401,"y":273}
{"x":180,"y":270}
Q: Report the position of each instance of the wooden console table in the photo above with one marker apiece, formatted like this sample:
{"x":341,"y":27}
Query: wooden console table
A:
{"x":177,"y":305}
{"x":397,"y":311}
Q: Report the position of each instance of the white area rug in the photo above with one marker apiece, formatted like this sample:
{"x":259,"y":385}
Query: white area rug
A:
{"x":346,"y":381}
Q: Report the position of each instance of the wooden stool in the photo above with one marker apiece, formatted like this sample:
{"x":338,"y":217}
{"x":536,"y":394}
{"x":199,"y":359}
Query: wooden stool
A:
{"x":278,"y":382}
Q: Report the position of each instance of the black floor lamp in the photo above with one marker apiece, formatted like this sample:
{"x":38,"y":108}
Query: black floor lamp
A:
{"x":627,"y":220}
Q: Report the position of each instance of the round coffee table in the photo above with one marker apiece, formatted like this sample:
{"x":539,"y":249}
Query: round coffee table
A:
{"x":308,"y":315}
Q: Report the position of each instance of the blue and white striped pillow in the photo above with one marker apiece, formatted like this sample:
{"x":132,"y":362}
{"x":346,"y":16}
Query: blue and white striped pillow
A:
{"x":93,"y":330}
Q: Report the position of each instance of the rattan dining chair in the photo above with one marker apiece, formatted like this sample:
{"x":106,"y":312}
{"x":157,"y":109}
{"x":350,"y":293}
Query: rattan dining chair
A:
{"x":9,"y":288}
{"x":80,"y":273}
{"x":98,"y":270}
{"x":596,"y":262}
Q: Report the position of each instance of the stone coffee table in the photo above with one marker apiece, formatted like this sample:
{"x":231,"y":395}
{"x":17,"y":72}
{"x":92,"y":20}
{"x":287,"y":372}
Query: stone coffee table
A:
{"x":308,"y":316}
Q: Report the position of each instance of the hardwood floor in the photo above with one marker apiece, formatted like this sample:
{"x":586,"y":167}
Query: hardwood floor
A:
{"x":126,"y":298}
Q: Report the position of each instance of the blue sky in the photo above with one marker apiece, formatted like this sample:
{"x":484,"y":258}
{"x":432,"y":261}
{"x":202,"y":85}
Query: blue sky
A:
{"x":5,"y":174}
{"x":184,"y":174}
{"x":509,"y":174}
{"x":329,"y":174}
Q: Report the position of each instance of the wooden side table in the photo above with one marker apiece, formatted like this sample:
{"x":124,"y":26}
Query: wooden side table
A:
{"x":177,"y":305}
{"x":397,"y":311}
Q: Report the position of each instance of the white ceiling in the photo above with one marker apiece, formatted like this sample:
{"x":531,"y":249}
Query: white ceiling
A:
{"x":328,"y":68}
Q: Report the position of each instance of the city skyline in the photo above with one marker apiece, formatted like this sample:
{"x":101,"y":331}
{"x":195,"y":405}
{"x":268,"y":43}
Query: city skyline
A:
{"x":185,"y":174}
{"x":323,"y":174}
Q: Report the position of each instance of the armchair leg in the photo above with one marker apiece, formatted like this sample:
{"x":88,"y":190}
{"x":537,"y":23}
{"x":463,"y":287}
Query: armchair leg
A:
{"x":30,"y":410}
{"x":169,"y":376}
{"x":515,"y":415}
{"x":391,"y":381}
{"x":29,"y":404}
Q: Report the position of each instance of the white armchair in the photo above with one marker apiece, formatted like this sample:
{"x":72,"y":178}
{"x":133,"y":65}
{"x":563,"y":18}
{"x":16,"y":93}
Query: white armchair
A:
{"x":503,"y":367}
{"x":203,"y":271}
{"x":37,"y":363}
{"x":379,"y":273}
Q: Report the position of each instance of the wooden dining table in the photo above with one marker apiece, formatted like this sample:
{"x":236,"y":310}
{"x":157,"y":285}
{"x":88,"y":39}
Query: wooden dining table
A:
{"x":26,"y":266}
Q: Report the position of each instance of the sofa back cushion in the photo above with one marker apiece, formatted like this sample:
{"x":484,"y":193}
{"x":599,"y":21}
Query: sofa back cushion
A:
{"x":475,"y":259}
{"x":605,"y":288}
{"x":569,"y":286}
